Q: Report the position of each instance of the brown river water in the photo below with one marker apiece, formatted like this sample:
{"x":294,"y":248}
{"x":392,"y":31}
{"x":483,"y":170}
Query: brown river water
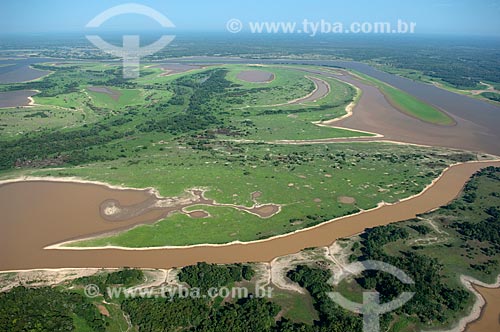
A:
{"x":373,"y":113}
{"x":490,"y":315}
{"x":36,"y":214}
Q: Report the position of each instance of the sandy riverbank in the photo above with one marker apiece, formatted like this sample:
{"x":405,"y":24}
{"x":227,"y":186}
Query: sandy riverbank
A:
{"x":379,"y":206}
{"x":478,"y":306}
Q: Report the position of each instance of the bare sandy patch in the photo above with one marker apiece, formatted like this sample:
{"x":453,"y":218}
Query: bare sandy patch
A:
{"x":198,"y":214}
{"x":255,"y":76}
{"x":103,"y":310}
{"x":346,"y":200}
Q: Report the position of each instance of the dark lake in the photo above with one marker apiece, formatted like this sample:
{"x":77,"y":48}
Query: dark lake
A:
{"x":18,"y":69}
{"x":15,"y":98}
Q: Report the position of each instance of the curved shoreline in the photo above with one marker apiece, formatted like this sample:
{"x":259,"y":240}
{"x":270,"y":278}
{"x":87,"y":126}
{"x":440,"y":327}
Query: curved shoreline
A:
{"x":348,"y":109}
{"x":468,"y":282}
{"x":478,"y":306}
{"x":300,"y":100}
{"x":61,"y":245}
{"x":75,"y":179}
{"x":398,"y":107}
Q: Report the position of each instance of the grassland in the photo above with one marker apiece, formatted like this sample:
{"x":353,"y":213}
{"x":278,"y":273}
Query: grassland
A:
{"x":491,"y":96}
{"x":460,"y":252}
{"x":16,"y":121}
{"x":184,"y":131}
{"x":407,"y":103}
{"x":419,"y":76}
{"x":306,"y":180}
{"x":297,"y":122}
{"x":66,"y":93}
{"x":287,"y":85}
{"x":64,"y":102}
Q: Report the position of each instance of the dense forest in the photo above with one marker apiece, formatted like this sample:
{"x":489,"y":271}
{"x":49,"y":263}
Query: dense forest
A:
{"x":205,"y":276}
{"x":46,"y":309}
{"x":55,"y":309}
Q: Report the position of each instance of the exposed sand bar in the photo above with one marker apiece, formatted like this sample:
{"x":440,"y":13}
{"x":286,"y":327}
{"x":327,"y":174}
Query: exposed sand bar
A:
{"x":34,"y":217}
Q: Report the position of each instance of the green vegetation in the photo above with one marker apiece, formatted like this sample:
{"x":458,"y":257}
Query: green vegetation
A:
{"x":407,"y":103}
{"x":190,"y":130}
{"x":298,"y":122}
{"x":199,"y":315}
{"x":198,"y":103}
{"x":301,"y":175}
{"x":287,"y":85}
{"x":434,"y":249}
{"x":462,"y":237}
{"x":297,"y":308}
{"x":331,"y":316}
{"x":48,"y":309}
{"x":116,"y":98}
{"x":206,"y":276}
{"x":491,"y":96}
{"x":67,"y":104}
{"x":471,"y":89}
{"x":125,"y":277}
{"x":16,"y":121}
{"x":456,"y":61}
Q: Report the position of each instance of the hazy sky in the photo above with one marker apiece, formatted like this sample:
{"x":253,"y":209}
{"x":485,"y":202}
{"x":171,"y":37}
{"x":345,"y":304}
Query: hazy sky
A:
{"x":471,"y":17}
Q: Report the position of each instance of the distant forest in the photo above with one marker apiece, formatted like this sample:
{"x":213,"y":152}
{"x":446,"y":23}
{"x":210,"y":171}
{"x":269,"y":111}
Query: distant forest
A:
{"x":461,"y":62}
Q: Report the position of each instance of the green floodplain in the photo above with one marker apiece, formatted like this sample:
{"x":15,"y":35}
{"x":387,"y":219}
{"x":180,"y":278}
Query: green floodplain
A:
{"x":208,"y":129}
{"x":436,"y":248}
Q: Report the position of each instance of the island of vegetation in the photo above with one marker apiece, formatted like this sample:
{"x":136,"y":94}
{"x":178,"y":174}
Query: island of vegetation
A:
{"x":435,"y":249}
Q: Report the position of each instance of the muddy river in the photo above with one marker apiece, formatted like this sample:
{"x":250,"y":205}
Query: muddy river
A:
{"x":490,"y":315}
{"x":477,"y":120}
{"x":39,"y":214}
